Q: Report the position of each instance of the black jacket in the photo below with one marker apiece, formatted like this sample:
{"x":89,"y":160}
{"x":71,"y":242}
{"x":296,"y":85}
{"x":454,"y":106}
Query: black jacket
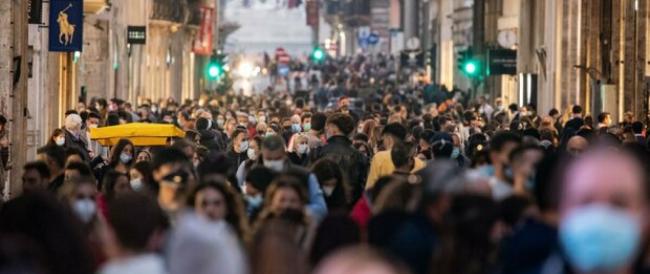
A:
{"x":296,"y":160}
{"x":353,"y":164}
{"x":78,"y":143}
{"x":212,"y":140}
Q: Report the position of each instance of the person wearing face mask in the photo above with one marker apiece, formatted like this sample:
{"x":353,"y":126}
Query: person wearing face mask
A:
{"x":121,"y":158}
{"x":299,"y":150}
{"x":603,"y":209}
{"x":73,"y":136}
{"x":237,"y":151}
{"x":339,"y":149}
{"x":381,"y":164}
{"x":141,"y":179}
{"x":253,"y":153}
{"x":81,"y":193}
{"x":257,"y":181}
{"x":209,"y":138}
{"x":57,"y":138}
{"x":274,"y":157}
{"x":330,"y":177}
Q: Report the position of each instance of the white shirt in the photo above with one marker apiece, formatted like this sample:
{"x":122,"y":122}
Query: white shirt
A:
{"x":140,"y":264}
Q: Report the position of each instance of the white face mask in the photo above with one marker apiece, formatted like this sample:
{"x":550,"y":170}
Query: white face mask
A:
{"x":243,"y":146}
{"x":251,"y":154}
{"x":125,"y":158}
{"x":275,"y":165}
{"x":328,"y":190}
{"x":60,"y":141}
{"x":303,"y":149}
{"x":136,"y":184}
{"x":85,"y":209}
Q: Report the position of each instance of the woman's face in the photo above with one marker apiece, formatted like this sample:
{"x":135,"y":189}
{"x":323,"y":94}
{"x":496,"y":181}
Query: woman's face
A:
{"x":85,"y":191}
{"x":285,"y":198}
{"x":135,"y":174}
{"x":143,"y":157}
{"x":211,"y":204}
{"x":128,"y":149}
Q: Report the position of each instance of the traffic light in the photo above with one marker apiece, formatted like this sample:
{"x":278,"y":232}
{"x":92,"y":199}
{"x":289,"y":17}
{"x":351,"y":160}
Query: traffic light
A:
{"x":215,"y":67}
{"x":469,"y":64}
{"x":318,"y":55}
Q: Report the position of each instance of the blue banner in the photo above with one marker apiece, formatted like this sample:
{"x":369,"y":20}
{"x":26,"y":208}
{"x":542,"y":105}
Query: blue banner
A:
{"x":66,"y":25}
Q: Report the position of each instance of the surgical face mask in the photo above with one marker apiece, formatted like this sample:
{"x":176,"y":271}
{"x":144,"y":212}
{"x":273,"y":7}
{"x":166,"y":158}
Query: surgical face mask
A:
{"x":254,"y":201}
{"x":85,"y":209}
{"x":303,"y":149}
{"x":243,"y":146}
{"x":60,"y":141}
{"x":328,"y":190}
{"x":295,"y":128}
{"x":252,"y":120}
{"x":269,"y":133}
{"x":136,"y":184}
{"x":125,"y":158}
{"x":262,"y":119}
{"x":251,"y":154}
{"x":600,"y":238}
{"x":275,"y":165}
{"x":455,"y":153}
{"x":220,"y":122}
{"x":306,"y":127}
{"x":92,"y":125}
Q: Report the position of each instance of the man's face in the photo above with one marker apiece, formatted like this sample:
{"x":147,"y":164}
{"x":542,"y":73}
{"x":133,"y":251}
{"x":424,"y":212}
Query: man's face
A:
{"x":92,"y":122}
{"x":607,"y":178}
{"x":344,"y":104}
{"x":273,"y":155}
{"x":33,"y":181}
{"x":576,"y":145}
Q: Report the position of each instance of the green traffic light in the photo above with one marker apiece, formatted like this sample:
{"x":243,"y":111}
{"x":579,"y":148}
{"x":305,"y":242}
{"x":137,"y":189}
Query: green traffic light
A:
{"x":470,"y":68}
{"x":214,"y":71}
{"x":318,"y":54}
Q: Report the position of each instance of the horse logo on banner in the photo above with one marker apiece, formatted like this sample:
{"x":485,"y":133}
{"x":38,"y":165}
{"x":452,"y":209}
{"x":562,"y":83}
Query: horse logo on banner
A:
{"x":66,"y":30}
{"x":66,"y":22}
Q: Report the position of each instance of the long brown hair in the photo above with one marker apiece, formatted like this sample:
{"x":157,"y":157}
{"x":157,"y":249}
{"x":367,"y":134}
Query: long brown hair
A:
{"x":235,"y":215}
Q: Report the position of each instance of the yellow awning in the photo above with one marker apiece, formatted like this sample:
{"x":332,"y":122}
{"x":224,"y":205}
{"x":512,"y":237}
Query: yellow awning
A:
{"x":141,"y":134}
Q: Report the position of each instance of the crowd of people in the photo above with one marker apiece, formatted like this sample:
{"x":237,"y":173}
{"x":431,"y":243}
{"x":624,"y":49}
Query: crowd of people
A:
{"x":388,"y":183}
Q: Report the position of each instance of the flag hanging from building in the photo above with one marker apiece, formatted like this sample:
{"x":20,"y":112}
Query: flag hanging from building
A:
{"x":203,"y":40}
{"x":312,"y":13}
{"x":66,"y":25}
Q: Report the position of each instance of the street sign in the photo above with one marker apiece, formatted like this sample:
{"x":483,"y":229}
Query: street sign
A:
{"x":66,"y":25}
{"x":312,"y":13}
{"x":136,"y":35}
{"x":502,"y":62}
{"x":373,"y":39}
{"x":363,"y":32}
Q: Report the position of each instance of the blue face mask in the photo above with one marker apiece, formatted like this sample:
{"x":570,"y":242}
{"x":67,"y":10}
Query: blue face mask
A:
{"x":455,"y":153}
{"x":600,"y":238}
{"x":295,"y":128}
